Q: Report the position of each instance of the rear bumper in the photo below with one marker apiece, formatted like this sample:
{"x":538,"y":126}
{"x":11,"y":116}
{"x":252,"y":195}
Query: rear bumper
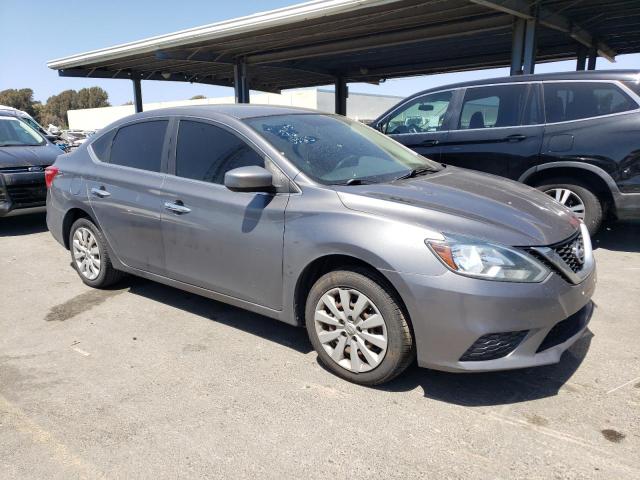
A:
{"x":464,"y":324}
{"x":22,"y":192}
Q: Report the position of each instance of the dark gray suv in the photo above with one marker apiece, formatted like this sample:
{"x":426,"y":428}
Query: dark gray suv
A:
{"x":575,"y":136}
{"x":321,"y":221}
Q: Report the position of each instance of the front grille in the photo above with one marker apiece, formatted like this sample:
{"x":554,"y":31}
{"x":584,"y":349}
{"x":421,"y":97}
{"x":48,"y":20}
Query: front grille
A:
{"x":567,"y":328}
{"x":22,"y":195}
{"x":493,"y":346}
{"x":567,"y":251}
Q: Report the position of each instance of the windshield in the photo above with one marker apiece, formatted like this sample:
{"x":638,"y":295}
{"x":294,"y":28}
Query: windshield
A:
{"x":15,"y":133}
{"x":335,"y":150}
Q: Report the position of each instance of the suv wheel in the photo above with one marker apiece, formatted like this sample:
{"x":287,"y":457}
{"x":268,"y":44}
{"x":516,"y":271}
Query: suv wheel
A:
{"x":578,"y":198}
{"x":89,"y":255}
{"x":358,"y":328}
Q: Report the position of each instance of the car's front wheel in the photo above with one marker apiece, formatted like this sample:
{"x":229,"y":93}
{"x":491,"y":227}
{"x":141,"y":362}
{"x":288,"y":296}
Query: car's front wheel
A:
{"x":578,"y":198}
{"x":89,"y":255}
{"x":358,"y":327}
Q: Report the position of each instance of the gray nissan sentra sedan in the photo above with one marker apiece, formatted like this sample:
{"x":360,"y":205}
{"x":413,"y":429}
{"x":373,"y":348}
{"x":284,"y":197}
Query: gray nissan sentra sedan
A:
{"x":318,"y":220}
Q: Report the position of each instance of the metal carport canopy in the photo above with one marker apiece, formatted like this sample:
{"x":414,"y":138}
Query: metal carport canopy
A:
{"x":338,"y":41}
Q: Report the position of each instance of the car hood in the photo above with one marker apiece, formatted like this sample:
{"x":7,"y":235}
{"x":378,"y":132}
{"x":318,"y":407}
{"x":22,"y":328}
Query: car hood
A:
{"x":464,"y":202}
{"x":41,"y":156}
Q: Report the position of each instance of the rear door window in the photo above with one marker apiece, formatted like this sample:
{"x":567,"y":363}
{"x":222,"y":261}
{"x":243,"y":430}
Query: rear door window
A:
{"x":139,"y":145}
{"x":206,"y":152}
{"x":494,"y":106}
{"x":564,"y":101}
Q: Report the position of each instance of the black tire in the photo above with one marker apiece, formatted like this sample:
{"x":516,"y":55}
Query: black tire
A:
{"x":594,"y":208}
{"x":107,"y":275}
{"x":400,"y":343}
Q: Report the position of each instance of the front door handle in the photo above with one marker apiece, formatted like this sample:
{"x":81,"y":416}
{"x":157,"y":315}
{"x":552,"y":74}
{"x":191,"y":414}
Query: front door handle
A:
{"x":176,"y":207}
{"x":430,"y":143}
{"x":100,"y":192}
{"x":515,"y":138}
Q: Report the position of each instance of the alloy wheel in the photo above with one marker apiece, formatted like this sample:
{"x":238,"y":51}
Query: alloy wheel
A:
{"x":351,"y":329}
{"x":86,"y":253}
{"x":569,"y":199}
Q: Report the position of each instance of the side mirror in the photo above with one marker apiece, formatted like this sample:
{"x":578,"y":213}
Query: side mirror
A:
{"x":249,"y":179}
{"x":425,"y":107}
{"x":52,"y":138}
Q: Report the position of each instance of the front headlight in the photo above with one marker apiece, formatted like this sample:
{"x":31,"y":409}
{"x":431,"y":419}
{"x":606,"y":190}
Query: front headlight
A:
{"x":488,"y":261}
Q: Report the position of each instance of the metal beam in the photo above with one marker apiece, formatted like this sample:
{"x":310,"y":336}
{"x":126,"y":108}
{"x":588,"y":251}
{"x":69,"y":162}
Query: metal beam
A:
{"x":529,"y":51}
{"x":582,"y":58}
{"x":389,"y":39}
{"x":593,"y":56}
{"x":341,"y":94}
{"x":241,"y":82}
{"x":137,"y":94}
{"x":552,"y":20}
{"x":517,"y":45}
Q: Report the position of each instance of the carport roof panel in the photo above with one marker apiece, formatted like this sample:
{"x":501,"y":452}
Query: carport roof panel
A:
{"x":312,"y":43}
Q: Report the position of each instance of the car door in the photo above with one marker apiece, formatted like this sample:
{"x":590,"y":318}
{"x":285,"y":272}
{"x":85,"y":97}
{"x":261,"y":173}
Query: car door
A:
{"x":124,"y":191}
{"x":421,"y":123}
{"x":497,"y":129}
{"x":225,"y":241}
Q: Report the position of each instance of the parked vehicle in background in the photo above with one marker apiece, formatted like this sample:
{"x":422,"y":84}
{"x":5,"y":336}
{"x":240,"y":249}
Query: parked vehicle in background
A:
{"x":53,"y":137}
{"x":24,"y":155}
{"x":321,"y":221}
{"x":575,"y":136}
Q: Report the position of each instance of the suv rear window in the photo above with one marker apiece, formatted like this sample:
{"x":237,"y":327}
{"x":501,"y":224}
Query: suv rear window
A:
{"x":139,"y":145}
{"x":566,"y":101}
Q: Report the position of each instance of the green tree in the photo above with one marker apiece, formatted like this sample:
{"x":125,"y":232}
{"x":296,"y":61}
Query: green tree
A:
{"x":93,"y":97}
{"x":22,"y":99}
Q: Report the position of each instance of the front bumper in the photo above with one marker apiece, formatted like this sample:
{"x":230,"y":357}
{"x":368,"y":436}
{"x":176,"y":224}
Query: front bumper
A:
{"x":22,"y":192}
{"x":453,"y":316}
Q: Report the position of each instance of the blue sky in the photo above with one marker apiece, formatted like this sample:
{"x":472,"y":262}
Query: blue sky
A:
{"x":35,"y":31}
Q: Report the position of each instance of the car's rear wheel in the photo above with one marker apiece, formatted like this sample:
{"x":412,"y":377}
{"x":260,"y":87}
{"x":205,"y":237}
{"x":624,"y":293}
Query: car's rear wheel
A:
{"x":578,"y":198}
{"x":89,"y":255}
{"x":358,"y":327}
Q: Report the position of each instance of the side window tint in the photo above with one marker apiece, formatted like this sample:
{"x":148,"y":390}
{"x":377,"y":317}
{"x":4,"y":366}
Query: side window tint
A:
{"x":206,"y":152}
{"x":102,"y":146}
{"x":424,"y":114}
{"x":493,"y":106}
{"x":572,"y":101}
{"x":139,"y":145}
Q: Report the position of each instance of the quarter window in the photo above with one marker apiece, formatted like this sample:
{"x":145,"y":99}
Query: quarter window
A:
{"x":102,"y":145}
{"x":575,"y":100}
{"x":494,"y":106}
{"x":139,"y":145}
{"x":424,"y":114}
{"x":206,"y":152}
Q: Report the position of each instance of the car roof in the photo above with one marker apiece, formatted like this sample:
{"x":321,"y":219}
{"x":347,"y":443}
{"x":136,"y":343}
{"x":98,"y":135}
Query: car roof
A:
{"x":237,"y":111}
{"x":629,"y":75}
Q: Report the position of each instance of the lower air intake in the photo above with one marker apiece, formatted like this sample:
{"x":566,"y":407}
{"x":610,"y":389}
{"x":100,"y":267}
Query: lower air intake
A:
{"x":493,"y":346}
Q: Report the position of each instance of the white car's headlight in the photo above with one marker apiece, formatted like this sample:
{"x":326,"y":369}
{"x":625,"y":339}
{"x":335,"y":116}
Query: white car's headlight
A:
{"x":488,"y":261}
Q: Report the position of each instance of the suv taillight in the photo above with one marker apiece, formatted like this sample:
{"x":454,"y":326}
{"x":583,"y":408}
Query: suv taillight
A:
{"x":49,"y":174}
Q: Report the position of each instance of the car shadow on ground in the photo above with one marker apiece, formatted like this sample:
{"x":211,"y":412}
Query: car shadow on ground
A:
{"x":23,"y":225}
{"x":494,"y":388}
{"x":253,"y":323}
{"x":472,"y":389}
{"x":618,"y":236}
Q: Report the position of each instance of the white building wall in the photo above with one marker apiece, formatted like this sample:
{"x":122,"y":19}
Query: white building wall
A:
{"x":359,"y":106}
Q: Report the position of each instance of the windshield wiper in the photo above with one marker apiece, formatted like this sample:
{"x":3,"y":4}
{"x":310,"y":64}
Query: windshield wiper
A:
{"x":356,"y":181}
{"x":416,"y":172}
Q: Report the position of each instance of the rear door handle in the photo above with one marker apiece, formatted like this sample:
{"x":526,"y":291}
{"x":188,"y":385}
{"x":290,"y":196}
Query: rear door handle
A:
{"x":515,"y":138}
{"x":176,"y":207}
{"x":100,"y":192}
{"x":430,"y":143}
